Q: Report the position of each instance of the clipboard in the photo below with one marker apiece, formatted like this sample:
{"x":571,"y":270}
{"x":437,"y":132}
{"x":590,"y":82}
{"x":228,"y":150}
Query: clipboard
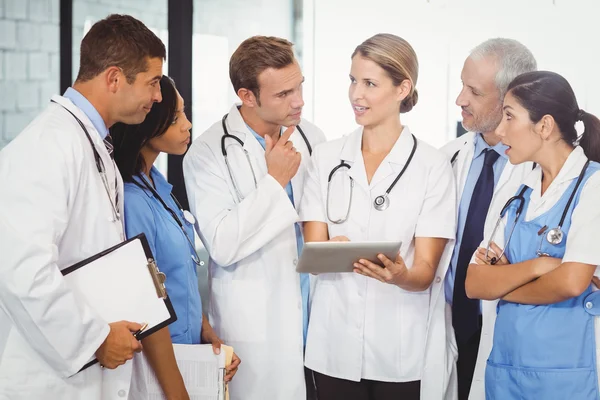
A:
{"x":123,"y":282}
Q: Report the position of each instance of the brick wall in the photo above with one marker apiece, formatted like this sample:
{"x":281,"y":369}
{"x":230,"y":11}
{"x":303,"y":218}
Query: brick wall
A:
{"x":29,"y":42}
{"x":29,"y":50}
{"x":29,"y":61}
{"x":153,"y":13}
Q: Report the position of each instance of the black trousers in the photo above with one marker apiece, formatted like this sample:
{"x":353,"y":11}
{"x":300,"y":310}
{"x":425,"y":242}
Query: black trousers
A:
{"x":329,"y":388}
{"x":465,"y":366}
{"x":311,"y":390}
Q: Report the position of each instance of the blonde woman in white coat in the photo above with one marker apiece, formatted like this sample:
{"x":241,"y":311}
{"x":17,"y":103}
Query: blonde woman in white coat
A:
{"x":379,"y":333}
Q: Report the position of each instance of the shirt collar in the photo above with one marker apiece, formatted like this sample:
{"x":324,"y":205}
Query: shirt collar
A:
{"x":260,"y":139}
{"x":162,"y":186}
{"x":569,"y":171}
{"x":88,"y":109}
{"x":480,"y":145}
{"x":398,"y":154}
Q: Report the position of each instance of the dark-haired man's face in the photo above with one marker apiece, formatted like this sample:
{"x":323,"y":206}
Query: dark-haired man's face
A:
{"x":280,"y":95}
{"x":134,"y":101}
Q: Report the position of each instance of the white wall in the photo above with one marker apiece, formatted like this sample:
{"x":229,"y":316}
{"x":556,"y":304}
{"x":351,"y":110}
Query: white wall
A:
{"x":563,"y":35}
{"x":219,"y":28}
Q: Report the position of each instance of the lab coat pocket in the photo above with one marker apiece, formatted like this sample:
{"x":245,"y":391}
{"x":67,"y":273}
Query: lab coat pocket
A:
{"x":237,"y":310}
{"x":414,"y":316}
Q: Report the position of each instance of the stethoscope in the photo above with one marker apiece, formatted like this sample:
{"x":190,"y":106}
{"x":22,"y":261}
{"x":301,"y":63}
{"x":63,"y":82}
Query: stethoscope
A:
{"x":554,"y":236}
{"x":381,"y":202}
{"x":101,"y":168}
{"x":239,"y":141}
{"x":186,"y":215}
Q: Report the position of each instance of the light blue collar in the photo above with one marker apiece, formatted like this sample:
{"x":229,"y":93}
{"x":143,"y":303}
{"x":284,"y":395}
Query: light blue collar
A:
{"x":481,"y":145}
{"x":260,"y":139}
{"x":162,"y":186}
{"x":88,"y":109}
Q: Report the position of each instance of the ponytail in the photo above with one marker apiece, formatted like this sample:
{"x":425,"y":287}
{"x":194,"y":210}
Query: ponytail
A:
{"x":590,"y":139}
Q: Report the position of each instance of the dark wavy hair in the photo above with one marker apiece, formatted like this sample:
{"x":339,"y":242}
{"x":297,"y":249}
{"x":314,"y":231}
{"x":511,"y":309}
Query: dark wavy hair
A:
{"x":548,"y":93}
{"x":128,"y":140}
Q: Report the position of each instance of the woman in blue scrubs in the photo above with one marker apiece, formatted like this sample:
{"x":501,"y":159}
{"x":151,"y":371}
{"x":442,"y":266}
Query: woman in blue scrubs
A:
{"x":544,"y":339}
{"x":151,"y":208}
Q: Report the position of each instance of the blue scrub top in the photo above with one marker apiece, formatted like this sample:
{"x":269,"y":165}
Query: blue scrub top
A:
{"x":172,"y":252}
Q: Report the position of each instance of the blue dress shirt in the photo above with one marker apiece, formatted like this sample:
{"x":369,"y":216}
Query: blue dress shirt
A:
{"x":465,"y":201}
{"x":171,"y":249}
{"x":304,"y":278}
{"x":88,"y":109}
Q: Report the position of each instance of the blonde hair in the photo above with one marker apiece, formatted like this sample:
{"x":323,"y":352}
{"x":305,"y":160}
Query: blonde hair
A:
{"x":397,"y":57}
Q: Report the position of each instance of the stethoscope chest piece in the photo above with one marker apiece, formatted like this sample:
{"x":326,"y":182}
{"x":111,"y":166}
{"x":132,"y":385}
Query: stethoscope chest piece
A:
{"x":189,"y":217}
{"x":555,"y":236}
{"x":381,"y":202}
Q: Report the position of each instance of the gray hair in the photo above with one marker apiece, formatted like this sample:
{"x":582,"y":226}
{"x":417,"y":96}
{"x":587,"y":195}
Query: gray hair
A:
{"x":512,"y":57}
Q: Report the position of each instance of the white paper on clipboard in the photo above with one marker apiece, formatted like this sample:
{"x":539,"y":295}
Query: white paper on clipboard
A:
{"x":118,"y":285}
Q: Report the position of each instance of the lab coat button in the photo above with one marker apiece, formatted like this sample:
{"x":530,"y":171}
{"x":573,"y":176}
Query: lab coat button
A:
{"x":589,"y":305}
{"x":438,"y":279}
{"x":295,"y":261}
{"x":122,"y":393}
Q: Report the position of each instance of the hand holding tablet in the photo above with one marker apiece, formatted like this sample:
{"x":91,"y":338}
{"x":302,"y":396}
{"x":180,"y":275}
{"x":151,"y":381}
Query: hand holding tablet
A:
{"x":340,"y":256}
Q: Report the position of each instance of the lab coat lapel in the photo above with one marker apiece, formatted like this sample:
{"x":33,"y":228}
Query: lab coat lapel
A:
{"x":298,"y":179}
{"x":112,"y":172}
{"x":504,"y":177}
{"x":351,"y":153}
{"x":94,"y":135}
{"x":237,"y":127}
{"x":463,"y":163}
{"x":396,"y":159}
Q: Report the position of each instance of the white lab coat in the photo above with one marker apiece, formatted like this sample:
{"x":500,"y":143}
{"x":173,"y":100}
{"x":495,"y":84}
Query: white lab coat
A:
{"x":507,"y":186}
{"x":55,"y":212}
{"x":255,"y":301}
{"x":361,"y":328}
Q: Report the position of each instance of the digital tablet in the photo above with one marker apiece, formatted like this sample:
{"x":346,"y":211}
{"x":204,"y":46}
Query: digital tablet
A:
{"x":322,"y":257}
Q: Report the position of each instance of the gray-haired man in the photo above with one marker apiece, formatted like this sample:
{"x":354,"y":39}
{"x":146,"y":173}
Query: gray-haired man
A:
{"x":485,"y":181}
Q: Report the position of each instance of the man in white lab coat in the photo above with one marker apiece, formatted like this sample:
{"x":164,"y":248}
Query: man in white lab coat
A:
{"x":58,"y":209}
{"x":486,"y":180}
{"x":244,"y":178}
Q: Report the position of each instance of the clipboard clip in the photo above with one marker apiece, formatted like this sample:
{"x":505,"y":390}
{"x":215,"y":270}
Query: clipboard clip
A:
{"x":158,"y":278}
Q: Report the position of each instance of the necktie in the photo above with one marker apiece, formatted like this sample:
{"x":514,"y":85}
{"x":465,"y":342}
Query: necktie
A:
{"x":465,"y":311}
{"x":108,"y":143}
